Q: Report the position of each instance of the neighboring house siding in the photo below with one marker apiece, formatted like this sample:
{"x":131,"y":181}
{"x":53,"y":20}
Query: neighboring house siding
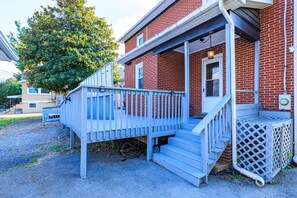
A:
{"x":40,"y":99}
{"x":272,"y":54}
{"x":163,"y":21}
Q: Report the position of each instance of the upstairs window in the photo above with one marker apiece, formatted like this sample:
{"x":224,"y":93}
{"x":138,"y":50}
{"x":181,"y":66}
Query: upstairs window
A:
{"x":139,"y":76}
{"x":140,"y":40}
{"x":44,"y":91}
{"x":32,"y":90}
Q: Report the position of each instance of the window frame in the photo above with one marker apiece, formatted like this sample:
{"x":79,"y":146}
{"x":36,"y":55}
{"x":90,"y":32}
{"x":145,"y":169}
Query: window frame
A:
{"x":138,"y":39}
{"x":36,"y":105}
{"x":38,"y":92}
{"x":137,"y":67}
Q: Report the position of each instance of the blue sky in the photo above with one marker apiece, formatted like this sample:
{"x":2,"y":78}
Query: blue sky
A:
{"x":122,"y":14}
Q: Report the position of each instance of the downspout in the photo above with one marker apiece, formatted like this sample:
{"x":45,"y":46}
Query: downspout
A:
{"x":295,"y":81}
{"x":258,"y":180}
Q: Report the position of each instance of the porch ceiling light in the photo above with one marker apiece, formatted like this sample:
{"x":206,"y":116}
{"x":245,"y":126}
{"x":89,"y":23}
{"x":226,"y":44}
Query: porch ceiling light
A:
{"x":210,"y":53}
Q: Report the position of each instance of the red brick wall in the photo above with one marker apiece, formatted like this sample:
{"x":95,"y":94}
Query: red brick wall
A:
{"x":171,"y":71}
{"x":272,"y":54}
{"x":166,"y":19}
{"x":150,"y":72}
{"x":166,"y":72}
{"x":132,"y":42}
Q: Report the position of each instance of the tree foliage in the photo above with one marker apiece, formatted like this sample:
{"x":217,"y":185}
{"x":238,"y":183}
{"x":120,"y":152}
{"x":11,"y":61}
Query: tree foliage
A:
{"x":8,"y":88}
{"x":63,"y":44}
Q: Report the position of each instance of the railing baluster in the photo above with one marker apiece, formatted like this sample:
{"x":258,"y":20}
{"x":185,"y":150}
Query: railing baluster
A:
{"x":91,"y":113}
{"x":104,"y":115}
{"x":121,"y":113}
{"x":115,"y":109}
{"x":132,"y":112}
{"x":98,"y":114}
{"x":141,"y":114}
{"x":127,"y":113}
{"x":136,"y":113}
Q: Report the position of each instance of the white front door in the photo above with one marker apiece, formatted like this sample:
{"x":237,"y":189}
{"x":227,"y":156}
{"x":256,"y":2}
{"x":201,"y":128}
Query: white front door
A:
{"x":212,"y":82}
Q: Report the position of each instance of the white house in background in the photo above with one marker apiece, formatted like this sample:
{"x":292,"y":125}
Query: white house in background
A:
{"x":7,"y":55}
{"x":34,"y":99}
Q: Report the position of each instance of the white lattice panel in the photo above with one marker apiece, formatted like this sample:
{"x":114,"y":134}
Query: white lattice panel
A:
{"x":264,"y":145}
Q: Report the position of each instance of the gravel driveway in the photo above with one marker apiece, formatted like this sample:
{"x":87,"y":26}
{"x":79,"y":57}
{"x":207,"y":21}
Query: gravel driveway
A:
{"x":35,"y":161}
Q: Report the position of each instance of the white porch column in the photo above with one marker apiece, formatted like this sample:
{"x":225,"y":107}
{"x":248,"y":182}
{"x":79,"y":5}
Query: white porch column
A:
{"x":257,"y":72}
{"x":228,"y":62}
{"x":186,"y":103}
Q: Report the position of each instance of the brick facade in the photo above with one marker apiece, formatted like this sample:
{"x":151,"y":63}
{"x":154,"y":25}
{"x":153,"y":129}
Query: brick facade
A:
{"x":166,"y":19}
{"x":272,"y":54}
{"x":166,"y":71}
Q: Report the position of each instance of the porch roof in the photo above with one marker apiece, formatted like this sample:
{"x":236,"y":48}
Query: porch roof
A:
{"x":197,"y":17}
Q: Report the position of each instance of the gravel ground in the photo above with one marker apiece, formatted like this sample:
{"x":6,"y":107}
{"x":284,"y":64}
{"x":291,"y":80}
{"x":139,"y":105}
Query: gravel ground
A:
{"x":23,"y":142}
{"x":54,"y":171}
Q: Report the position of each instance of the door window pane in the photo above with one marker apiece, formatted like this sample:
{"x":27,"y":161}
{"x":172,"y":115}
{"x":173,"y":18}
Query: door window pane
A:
{"x":212,"y":71}
{"x":213,"y":88}
{"x":213,"y":80}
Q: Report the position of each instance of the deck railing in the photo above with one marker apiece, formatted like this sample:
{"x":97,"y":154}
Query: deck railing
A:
{"x":102,"y":77}
{"x":51,"y":114}
{"x":106,"y":113}
{"x":212,"y":128}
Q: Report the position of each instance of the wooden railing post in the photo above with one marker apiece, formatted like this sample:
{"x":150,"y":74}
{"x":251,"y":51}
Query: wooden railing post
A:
{"x":204,"y":152}
{"x":149,"y":153}
{"x":83,"y":133}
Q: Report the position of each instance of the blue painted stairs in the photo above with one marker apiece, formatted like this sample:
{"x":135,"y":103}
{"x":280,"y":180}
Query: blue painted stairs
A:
{"x":182,"y":155}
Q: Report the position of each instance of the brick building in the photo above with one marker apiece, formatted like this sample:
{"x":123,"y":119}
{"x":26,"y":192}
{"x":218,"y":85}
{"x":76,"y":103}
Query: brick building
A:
{"x":172,"y":47}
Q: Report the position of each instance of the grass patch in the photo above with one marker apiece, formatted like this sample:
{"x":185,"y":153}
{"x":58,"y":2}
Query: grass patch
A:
{"x":56,"y":148}
{"x":31,"y":163}
{"x":236,"y":175}
{"x":6,"y":121}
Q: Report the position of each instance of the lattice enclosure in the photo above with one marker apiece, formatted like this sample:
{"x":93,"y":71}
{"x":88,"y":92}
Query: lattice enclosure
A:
{"x":264,"y":145}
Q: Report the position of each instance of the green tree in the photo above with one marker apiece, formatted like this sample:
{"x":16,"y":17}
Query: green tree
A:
{"x":63,"y":44}
{"x":8,"y":88}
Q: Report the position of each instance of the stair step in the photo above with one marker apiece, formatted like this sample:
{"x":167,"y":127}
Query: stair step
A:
{"x":187,"y":134}
{"x":189,"y":126}
{"x":187,"y":145}
{"x":189,"y":173}
{"x":226,"y":139}
{"x":187,"y":157}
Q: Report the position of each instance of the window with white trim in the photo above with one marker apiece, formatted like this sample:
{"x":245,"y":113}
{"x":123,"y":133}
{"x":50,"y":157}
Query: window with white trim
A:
{"x":140,"y":40}
{"x":32,"y":105}
{"x":32,"y":90}
{"x":139,"y":76}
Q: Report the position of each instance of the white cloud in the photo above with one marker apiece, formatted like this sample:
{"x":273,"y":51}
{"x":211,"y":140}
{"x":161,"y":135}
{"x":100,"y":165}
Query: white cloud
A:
{"x":137,"y":9}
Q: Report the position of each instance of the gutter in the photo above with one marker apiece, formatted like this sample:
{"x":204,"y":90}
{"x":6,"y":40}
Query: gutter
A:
{"x":258,"y":180}
{"x":181,"y":26}
{"x":7,"y":49}
{"x":295,"y":81}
